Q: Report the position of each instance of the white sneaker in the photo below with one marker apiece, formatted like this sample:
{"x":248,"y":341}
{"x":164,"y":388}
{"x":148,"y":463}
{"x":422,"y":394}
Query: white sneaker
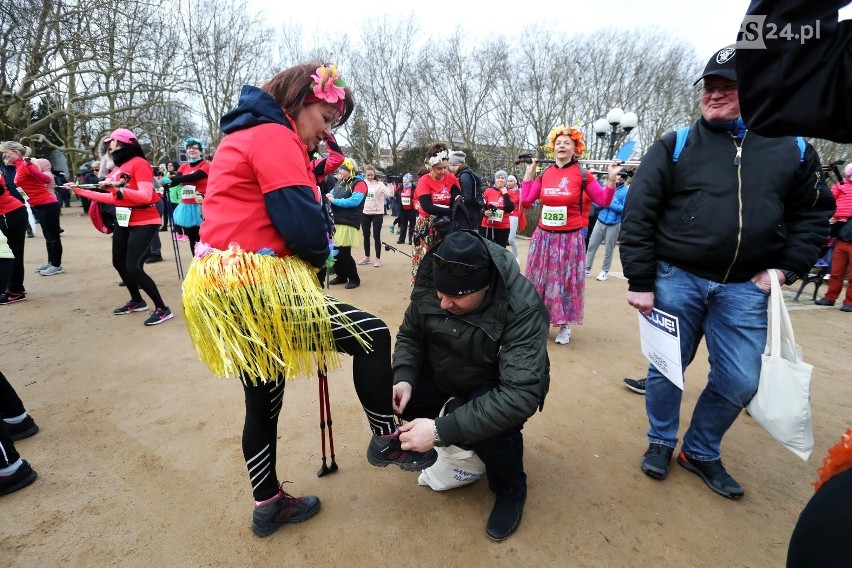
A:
{"x":588,"y":272}
{"x":44,"y":266}
{"x":603,"y":275}
{"x":365,"y":261}
{"x":564,"y":336}
{"x":51,"y":270}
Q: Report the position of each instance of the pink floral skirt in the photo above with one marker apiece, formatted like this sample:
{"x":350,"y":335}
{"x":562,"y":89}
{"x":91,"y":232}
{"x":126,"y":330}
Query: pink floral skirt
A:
{"x":556,"y":265}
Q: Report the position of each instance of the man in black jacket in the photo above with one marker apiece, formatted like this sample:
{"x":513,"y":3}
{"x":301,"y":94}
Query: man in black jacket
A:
{"x":700,"y":235}
{"x":475,"y":329}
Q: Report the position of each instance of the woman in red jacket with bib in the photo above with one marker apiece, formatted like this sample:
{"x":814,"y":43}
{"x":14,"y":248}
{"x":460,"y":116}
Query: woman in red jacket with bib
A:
{"x":556,"y":263}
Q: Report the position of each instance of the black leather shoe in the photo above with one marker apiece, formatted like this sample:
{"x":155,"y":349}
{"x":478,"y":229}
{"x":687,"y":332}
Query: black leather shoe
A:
{"x":338,"y":280}
{"x":352,"y":284}
{"x":505,"y":518}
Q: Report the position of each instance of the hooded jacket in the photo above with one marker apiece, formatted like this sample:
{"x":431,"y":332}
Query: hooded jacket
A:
{"x":503,"y":342}
{"x":735,"y":203}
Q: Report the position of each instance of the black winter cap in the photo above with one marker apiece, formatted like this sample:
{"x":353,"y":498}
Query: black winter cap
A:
{"x":461,"y":264}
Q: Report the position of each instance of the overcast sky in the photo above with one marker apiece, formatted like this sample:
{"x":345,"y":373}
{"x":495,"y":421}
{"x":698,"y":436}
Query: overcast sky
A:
{"x":707,"y":26}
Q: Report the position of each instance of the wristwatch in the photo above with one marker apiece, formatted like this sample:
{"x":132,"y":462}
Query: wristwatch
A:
{"x":438,"y":442}
{"x":789,"y":277}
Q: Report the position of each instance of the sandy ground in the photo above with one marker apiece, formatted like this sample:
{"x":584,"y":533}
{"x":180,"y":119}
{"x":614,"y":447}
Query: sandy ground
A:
{"x":139,"y":456}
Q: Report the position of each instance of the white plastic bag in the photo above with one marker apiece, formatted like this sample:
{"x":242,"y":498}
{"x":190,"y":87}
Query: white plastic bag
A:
{"x":455,"y":467}
{"x":782,"y":404}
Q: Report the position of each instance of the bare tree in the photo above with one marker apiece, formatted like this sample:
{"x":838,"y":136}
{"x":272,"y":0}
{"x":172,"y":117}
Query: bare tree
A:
{"x":226,"y":48}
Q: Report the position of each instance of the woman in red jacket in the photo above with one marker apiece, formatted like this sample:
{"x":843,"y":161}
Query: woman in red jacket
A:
{"x":556,"y":263}
{"x":33,"y":182}
{"x":13,"y":225}
{"x":130,"y":187}
{"x":498,"y":207}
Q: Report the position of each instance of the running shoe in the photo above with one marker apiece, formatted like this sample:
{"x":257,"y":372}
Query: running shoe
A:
{"x":602,"y":276}
{"x":12,"y":297}
{"x":284,"y":509}
{"x":158,"y":316}
{"x":44,"y":266}
{"x":51,"y":270}
{"x":564,"y":336}
{"x":387,"y":450}
{"x":22,"y":477}
{"x":378,"y":263}
{"x":23,"y":429}
{"x":365,"y":261}
{"x":130,"y":307}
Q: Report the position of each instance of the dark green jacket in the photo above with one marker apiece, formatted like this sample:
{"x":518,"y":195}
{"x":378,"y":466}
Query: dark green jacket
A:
{"x":503,"y":342}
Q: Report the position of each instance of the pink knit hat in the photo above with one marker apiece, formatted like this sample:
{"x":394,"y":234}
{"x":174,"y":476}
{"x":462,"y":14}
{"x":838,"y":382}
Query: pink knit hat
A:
{"x":847,"y":171}
{"x":122,"y":135}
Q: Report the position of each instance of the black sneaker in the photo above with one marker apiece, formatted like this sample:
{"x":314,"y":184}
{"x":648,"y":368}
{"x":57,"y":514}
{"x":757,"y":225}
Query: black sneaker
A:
{"x":352,"y":284}
{"x":18,"y":480}
{"x":338,"y":280}
{"x":285,"y":509}
{"x":656,"y":461}
{"x":154,"y":258}
{"x":130,"y":307}
{"x":387,"y":450}
{"x":504,"y":518}
{"x":23,"y":429}
{"x":636,"y":385}
{"x":12,"y":297}
{"x":714,"y":475}
{"x":158,"y":316}
{"x":824,"y":302}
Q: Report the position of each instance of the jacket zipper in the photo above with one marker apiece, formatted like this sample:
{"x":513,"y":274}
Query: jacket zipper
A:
{"x":738,"y":159}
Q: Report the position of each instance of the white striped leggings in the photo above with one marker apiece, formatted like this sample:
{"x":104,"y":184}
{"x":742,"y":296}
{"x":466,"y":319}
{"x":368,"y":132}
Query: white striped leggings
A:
{"x":373,"y":384}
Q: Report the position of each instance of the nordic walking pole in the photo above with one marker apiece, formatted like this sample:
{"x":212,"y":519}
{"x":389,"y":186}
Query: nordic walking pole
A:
{"x":325,"y":410}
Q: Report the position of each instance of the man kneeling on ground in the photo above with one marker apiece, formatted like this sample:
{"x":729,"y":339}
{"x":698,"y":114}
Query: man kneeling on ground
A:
{"x":475,"y":329}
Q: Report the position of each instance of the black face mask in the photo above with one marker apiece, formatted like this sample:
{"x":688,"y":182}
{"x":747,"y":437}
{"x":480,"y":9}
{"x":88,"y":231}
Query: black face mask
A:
{"x":122,"y":155}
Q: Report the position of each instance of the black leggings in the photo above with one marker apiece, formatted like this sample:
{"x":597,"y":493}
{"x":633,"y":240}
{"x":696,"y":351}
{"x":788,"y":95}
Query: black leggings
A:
{"x":373,"y":384}
{"x":194,"y":237}
{"x":14,"y":225}
{"x":49,"y":220}
{"x":407,"y":218}
{"x":376,"y":222}
{"x":130,"y":246}
{"x":10,"y":407}
{"x":499,"y":236}
{"x":345,"y":267}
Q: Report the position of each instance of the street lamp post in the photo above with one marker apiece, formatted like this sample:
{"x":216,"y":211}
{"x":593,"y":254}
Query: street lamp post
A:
{"x":609,"y":126}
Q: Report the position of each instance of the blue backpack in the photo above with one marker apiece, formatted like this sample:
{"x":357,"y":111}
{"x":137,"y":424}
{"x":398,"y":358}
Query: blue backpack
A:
{"x":683,"y":132}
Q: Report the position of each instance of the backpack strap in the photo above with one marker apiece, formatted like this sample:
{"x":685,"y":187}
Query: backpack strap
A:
{"x":680,"y":142}
{"x":800,"y":142}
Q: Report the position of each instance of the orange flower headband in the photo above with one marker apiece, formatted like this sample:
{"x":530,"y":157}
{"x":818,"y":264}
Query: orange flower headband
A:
{"x":838,"y":460}
{"x":572,"y":133}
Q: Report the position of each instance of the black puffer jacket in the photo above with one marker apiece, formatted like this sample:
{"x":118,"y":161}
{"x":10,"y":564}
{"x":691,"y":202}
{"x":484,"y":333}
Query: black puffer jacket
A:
{"x":721,"y":217}
{"x":504,"y":341}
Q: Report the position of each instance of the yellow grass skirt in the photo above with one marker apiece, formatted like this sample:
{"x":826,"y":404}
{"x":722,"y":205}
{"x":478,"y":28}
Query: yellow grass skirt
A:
{"x":258,"y":316}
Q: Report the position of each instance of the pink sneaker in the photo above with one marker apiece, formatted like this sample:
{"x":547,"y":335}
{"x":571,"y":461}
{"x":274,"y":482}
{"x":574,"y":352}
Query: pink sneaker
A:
{"x":182,"y":238}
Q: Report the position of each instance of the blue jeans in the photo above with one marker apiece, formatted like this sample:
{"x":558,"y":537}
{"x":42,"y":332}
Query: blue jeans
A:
{"x":733,"y":319}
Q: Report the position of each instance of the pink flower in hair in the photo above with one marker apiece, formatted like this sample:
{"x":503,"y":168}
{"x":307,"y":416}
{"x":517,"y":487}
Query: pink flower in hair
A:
{"x":327,"y":84}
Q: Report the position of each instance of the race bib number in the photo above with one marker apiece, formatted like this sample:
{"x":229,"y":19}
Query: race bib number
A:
{"x":371,"y":194}
{"x":187,"y":192}
{"x":406,"y":201}
{"x":554,"y":216}
{"x":122,"y":216}
{"x":497,"y":216}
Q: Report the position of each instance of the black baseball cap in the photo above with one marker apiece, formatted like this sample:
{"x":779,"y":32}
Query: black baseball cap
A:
{"x":723,"y":63}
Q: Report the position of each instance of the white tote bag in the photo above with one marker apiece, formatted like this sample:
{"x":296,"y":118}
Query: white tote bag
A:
{"x":782,"y":404}
{"x":455,"y":467}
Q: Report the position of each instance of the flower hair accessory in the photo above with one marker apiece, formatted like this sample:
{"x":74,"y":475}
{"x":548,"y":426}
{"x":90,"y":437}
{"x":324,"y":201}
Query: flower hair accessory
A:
{"x":327,"y":85}
{"x":562,"y":130}
{"x":439,"y":157}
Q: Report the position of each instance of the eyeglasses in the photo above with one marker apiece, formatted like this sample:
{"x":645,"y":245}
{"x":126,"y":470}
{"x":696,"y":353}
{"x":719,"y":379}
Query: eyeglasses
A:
{"x":454,"y":268}
{"x":724,"y":90}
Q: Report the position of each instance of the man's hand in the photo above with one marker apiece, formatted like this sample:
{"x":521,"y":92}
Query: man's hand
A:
{"x":762,"y":281}
{"x":401,"y":396}
{"x":642,"y":301}
{"x":417,"y":435}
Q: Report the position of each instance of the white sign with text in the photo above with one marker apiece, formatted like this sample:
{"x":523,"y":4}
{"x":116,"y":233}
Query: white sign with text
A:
{"x":660,"y":337}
